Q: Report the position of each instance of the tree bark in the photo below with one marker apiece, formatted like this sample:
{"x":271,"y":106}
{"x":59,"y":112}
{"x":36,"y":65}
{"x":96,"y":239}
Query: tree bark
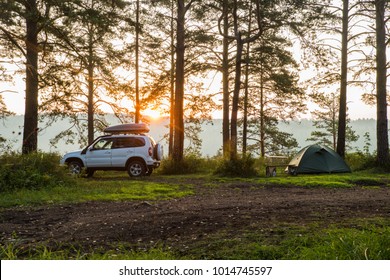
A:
{"x":225,"y":82}
{"x":382,"y":125}
{"x":235,"y":101}
{"x":246,"y":103}
{"x":172,"y":86}
{"x":246,"y":86}
{"x":262,"y":115}
{"x":30,"y":131}
{"x":137,"y":102}
{"x":178,"y":145}
{"x":91,"y":109}
{"x":342,"y":124}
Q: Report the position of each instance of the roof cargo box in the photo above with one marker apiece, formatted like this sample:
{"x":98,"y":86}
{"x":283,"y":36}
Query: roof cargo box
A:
{"x":128,"y":128}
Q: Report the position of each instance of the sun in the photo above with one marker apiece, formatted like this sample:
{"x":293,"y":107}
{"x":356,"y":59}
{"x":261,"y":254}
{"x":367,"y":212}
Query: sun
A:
{"x":153,"y":114}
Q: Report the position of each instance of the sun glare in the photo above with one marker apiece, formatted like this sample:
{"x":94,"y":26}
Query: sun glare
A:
{"x":153,"y":114}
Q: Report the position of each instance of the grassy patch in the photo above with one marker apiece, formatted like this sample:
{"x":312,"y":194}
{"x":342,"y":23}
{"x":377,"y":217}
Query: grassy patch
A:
{"x":344,"y":180}
{"x":336,"y":181}
{"x":87,"y":190}
{"x":109,"y":186}
{"x":12,"y":251}
{"x":364,"y":241}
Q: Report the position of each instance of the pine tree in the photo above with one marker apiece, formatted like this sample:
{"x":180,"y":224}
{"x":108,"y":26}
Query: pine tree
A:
{"x":26,"y":26}
{"x":82,"y":77}
{"x":326,"y":121}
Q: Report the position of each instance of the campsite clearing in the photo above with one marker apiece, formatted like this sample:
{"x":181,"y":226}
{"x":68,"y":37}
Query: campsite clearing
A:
{"x":233,"y":207}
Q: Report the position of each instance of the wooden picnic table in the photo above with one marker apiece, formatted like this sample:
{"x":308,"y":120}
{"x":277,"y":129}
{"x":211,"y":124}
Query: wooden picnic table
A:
{"x":274,"y":162}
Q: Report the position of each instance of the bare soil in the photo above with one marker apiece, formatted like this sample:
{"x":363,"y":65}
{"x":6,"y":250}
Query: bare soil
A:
{"x":231,"y":208}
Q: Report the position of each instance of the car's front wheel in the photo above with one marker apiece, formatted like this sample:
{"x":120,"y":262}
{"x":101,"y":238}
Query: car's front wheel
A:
{"x":136,"y":168}
{"x":75,"y":167}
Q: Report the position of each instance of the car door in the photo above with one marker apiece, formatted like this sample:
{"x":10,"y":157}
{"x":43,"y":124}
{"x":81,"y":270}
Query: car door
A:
{"x":121,"y":150}
{"x":99,"y":154}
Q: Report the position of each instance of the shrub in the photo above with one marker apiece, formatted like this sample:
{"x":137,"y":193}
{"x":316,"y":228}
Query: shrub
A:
{"x":191,"y":164}
{"x":32,"y":171}
{"x":359,"y":161}
{"x":243,"y":166}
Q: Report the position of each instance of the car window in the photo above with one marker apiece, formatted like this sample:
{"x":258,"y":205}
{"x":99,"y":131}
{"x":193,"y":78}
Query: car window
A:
{"x":103,"y":144}
{"x":128,"y":142}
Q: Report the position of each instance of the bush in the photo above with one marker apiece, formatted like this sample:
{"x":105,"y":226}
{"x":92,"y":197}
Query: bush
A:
{"x":32,"y":171}
{"x":240,"y":167}
{"x":191,"y":164}
{"x":359,"y":161}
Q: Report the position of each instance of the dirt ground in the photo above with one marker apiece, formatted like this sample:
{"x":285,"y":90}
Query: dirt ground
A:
{"x":233,"y":208}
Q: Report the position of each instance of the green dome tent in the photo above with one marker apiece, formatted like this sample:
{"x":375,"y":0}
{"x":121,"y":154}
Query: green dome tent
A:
{"x":317,"y":159}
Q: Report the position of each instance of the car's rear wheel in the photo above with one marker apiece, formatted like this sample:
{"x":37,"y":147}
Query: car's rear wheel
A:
{"x":75,"y":167}
{"x":136,"y":168}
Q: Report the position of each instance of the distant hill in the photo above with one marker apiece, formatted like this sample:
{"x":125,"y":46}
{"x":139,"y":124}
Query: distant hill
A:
{"x":12,"y":128}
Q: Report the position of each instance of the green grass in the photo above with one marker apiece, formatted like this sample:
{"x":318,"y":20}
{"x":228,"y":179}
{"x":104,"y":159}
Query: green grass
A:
{"x":342,"y":180}
{"x":89,"y":190}
{"x":328,"y":180}
{"x":341,"y":244}
{"x":368,"y":239}
{"x":12,"y":251}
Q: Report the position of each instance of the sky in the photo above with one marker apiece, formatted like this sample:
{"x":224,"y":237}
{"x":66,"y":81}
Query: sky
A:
{"x":14,"y":99}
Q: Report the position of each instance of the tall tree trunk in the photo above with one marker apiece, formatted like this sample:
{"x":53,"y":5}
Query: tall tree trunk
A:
{"x":90,"y":113}
{"x":335,"y":131}
{"x":237,"y":86}
{"x":382,"y":126}
{"x":225,"y":82}
{"x":137,"y":30}
{"x":237,"y":81}
{"x":178,"y":149}
{"x":343,"y":85}
{"x":246,"y":97}
{"x":236,"y":99}
{"x":30,"y":131}
{"x":262,"y":115}
{"x":172,"y":85}
{"x":246,"y":86}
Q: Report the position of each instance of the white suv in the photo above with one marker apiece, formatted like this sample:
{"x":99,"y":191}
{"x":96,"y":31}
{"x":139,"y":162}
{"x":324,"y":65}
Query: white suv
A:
{"x":126,"y":148}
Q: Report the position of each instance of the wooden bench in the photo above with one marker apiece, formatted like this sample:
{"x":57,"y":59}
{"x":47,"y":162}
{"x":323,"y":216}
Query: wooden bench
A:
{"x":274,"y":162}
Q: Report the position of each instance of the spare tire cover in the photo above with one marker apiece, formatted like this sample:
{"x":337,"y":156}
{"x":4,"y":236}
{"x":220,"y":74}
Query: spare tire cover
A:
{"x":158,"y":151}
